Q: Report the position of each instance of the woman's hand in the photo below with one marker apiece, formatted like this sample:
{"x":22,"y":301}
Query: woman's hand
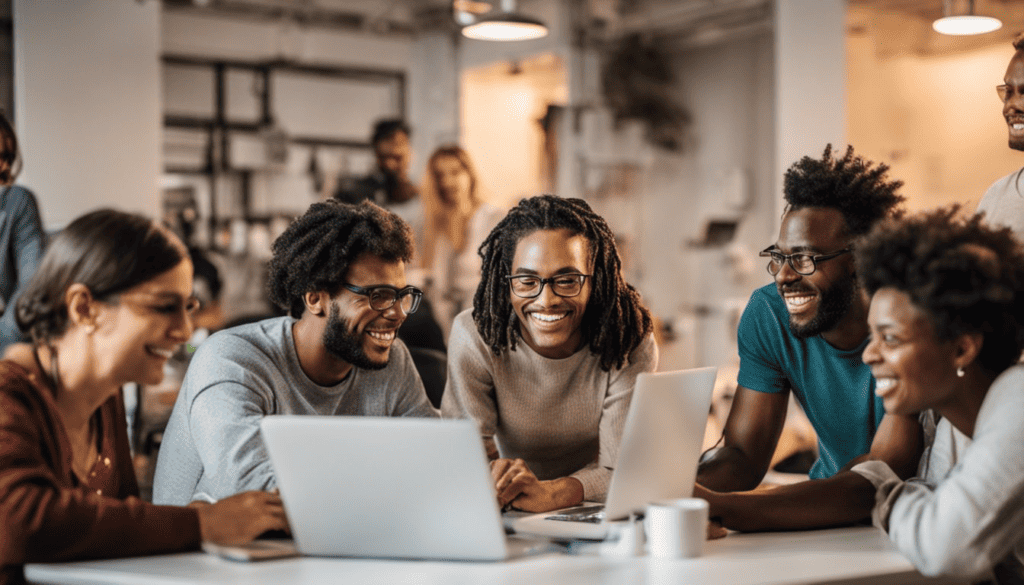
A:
{"x":517,"y":485}
{"x":240,"y":518}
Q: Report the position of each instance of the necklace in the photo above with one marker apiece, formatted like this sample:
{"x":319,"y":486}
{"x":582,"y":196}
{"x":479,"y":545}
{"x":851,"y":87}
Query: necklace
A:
{"x":52,"y":375}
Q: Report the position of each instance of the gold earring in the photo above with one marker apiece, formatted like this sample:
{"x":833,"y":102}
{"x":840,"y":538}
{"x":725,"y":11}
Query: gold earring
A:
{"x":90,"y":329}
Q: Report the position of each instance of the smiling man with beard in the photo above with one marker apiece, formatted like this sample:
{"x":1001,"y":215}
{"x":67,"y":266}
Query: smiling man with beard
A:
{"x":339,"y":271}
{"x":1003,"y":203}
{"x":804,"y":334}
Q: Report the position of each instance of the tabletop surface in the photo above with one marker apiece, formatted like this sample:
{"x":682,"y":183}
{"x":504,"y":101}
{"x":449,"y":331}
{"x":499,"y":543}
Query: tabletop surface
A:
{"x":845,"y":555}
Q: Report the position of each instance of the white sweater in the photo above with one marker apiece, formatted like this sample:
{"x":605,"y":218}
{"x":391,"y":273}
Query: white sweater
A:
{"x":969,"y":519}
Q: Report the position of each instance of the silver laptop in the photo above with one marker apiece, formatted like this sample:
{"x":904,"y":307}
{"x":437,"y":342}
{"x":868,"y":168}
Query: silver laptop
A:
{"x":657,"y":459}
{"x":389,"y":487}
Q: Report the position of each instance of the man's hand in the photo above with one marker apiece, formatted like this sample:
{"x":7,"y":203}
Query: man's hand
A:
{"x":240,"y":518}
{"x":517,"y":485}
{"x":716,"y":530}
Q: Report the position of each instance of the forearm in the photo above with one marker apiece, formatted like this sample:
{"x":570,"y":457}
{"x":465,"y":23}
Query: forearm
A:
{"x":729,"y":470}
{"x":594,"y":479}
{"x":845,"y":498}
{"x":42,"y":521}
{"x":564,"y":492}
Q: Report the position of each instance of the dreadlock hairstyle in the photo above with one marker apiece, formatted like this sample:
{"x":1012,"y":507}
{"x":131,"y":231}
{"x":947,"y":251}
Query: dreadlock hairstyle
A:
{"x":849,"y":184}
{"x":314,"y":253}
{"x":615,"y":321}
{"x":967,"y":276}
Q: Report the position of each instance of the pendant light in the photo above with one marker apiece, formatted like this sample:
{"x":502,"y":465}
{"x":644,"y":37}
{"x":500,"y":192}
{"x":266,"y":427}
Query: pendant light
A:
{"x":959,"y":19}
{"x":506,"y":25}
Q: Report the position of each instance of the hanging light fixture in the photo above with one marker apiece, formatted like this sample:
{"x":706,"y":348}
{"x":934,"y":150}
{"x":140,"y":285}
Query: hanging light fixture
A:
{"x":958,"y":21}
{"x":506,"y":25}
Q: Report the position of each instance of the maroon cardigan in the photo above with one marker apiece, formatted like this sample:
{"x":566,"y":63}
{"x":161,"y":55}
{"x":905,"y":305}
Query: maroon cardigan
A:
{"x":47,"y":513}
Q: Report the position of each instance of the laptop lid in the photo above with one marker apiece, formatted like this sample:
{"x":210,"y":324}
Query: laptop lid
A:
{"x":661,"y":440}
{"x":658,"y":453}
{"x":386,"y":487}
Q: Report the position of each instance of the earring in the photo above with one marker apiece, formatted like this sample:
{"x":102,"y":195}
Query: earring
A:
{"x":959,"y":372}
{"x":90,"y":329}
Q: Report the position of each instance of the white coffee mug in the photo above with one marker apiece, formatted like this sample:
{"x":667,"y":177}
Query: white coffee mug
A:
{"x":676,"y":528}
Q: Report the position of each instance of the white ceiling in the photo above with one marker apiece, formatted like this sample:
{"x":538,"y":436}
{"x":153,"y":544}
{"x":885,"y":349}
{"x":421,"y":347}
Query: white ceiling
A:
{"x":898,"y":26}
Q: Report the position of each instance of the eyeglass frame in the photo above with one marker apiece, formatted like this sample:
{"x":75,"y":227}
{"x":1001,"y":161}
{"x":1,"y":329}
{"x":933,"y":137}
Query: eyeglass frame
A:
{"x":417,"y":295}
{"x":788,"y":259}
{"x":544,"y":281}
{"x":189,"y":305}
{"x":1003,"y":92}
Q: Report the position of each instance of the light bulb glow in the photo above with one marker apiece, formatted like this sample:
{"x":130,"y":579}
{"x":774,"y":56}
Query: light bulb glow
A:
{"x":966,"y":25}
{"x":494,"y":30}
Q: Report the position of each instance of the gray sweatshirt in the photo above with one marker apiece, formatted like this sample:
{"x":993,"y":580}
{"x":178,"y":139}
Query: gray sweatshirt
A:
{"x":212,"y":446}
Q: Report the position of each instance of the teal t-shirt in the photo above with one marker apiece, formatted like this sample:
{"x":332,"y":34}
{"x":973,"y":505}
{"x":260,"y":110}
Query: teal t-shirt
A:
{"x":834,"y":387}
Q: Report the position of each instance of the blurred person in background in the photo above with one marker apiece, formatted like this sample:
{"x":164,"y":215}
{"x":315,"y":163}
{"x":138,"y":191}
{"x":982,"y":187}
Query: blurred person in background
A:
{"x":22,"y":238}
{"x":457,"y":222}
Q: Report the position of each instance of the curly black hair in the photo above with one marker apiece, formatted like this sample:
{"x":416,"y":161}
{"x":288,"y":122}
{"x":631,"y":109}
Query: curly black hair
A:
{"x":849,"y":184}
{"x":615,"y":321}
{"x":314,"y":253}
{"x":966,"y":275}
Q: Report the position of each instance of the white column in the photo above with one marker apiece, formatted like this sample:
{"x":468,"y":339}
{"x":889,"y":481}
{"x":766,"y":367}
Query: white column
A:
{"x":810,"y":82}
{"x":87,"y":100}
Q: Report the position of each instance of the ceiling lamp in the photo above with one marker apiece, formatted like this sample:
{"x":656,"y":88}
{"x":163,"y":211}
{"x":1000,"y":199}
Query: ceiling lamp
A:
{"x":506,"y":25}
{"x":963,"y":22}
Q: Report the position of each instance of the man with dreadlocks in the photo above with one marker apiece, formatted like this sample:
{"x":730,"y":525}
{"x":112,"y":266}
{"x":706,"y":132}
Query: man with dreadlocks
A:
{"x":547,"y":358}
{"x":804,"y":334}
{"x":339,"y":271}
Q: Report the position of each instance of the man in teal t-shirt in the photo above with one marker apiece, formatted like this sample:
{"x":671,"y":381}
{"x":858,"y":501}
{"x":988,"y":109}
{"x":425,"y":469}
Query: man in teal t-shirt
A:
{"x":832,"y":384}
{"x":804,"y":334}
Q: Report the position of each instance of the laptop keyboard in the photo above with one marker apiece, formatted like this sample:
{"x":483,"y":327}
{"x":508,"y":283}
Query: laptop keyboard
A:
{"x":589,"y":514}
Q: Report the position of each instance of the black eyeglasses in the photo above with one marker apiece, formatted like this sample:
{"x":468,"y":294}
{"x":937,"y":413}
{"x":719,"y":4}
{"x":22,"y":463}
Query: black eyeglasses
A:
{"x":802,"y":263}
{"x":383,"y":296}
{"x":528,"y":286}
{"x":1006,"y":92}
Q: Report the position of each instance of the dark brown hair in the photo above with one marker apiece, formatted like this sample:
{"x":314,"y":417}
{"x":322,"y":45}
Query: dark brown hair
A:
{"x":109,"y":252}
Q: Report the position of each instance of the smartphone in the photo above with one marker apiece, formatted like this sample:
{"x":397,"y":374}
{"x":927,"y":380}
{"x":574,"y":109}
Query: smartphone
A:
{"x":257,"y":550}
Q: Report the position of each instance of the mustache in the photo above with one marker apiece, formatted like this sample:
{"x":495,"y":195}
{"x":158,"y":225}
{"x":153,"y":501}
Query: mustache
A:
{"x":783,"y":289}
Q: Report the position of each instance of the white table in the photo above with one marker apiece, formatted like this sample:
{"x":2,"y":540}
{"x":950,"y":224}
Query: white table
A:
{"x":846,"y":555}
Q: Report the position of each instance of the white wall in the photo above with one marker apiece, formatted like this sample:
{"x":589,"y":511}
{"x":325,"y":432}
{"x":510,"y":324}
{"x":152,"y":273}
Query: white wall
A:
{"x":936,"y":121}
{"x":87,"y":94}
{"x":500,"y":114}
{"x":810,"y":81}
{"x":433,"y":95}
{"x":189,"y":33}
{"x":728,"y":90}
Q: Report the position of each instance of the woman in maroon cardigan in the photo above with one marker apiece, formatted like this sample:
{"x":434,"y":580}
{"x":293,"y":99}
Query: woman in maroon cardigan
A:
{"x":110,"y":302}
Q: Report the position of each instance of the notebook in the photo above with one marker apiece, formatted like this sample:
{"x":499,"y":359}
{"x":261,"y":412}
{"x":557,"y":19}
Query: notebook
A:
{"x":389,"y":488}
{"x":657,"y":459}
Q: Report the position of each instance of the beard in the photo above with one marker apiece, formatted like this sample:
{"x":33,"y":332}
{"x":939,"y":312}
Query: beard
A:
{"x":835,"y":302}
{"x":342,"y":343}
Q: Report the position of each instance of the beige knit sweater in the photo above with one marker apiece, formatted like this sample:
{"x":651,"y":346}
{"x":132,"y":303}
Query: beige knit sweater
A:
{"x":563,"y":417}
